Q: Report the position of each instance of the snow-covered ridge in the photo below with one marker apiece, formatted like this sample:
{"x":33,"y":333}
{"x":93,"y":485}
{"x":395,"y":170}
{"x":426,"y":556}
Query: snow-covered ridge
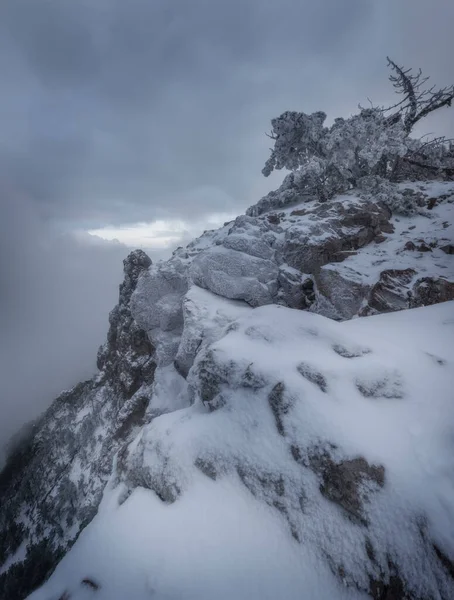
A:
{"x":316,"y":461}
{"x":342,"y":258}
{"x":208,"y":375}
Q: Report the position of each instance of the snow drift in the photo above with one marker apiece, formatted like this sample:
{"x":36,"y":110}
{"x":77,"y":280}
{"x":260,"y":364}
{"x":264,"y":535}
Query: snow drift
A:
{"x":315,"y":461}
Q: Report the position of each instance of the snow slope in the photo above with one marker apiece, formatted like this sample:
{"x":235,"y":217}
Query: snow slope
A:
{"x":316,"y":462}
{"x":216,"y":346}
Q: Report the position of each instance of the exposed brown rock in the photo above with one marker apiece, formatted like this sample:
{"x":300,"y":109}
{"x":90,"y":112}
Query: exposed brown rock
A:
{"x":411,"y":246}
{"x":431,"y":290}
{"x":391,"y":292}
{"x":342,"y":483}
{"x":351,"y":227}
{"x":273,"y":218}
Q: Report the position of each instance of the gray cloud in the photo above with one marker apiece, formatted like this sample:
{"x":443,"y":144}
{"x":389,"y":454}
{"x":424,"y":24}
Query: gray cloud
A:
{"x":121,"y":111}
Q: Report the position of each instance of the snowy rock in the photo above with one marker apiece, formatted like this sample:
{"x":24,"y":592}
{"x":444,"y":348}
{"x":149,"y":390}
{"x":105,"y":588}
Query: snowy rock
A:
{"x":127,"y":359}
{"x":156,"y":305}
{"x":296,"y":290}
{"x":135,"y":263}
{"x":383,"y":277}
{"x":233,"y":274}
{"x":205,"y":318}
{"x":333,"y":230}
{"x":55,"y":475}
{"x":429,"y":290}
{"x":391,"y":292}
{"x":348,"y":482}
{"x":209,"y":398}
{"x":341,"y":293}
{"x":253,"y":246}
{"x":341,"y":447}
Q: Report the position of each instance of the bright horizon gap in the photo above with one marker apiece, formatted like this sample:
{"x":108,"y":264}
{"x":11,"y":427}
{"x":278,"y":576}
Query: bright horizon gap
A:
{"x":161,"y":233}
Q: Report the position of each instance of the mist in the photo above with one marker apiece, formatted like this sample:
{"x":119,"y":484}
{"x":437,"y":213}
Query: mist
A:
{"x":56,"y":291}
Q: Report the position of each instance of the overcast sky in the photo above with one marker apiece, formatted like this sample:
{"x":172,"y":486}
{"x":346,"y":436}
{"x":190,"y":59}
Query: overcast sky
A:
{"x":119,"y":111}
{"x":116,"y":113}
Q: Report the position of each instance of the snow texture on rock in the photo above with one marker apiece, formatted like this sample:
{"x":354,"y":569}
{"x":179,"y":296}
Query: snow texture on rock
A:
{"x":340,"y":454}
{"x":278,"y":405}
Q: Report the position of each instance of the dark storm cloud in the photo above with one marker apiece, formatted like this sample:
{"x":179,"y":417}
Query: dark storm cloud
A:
{"x":120,"y":109}
{"x":125,"y":107}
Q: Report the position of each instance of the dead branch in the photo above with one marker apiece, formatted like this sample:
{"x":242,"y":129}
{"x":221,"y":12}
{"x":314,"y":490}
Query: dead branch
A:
{"x":417,"y":101}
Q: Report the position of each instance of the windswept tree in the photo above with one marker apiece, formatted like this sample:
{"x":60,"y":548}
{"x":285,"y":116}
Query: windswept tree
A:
{"x":418,"y":100}
{"x":375,"y":142}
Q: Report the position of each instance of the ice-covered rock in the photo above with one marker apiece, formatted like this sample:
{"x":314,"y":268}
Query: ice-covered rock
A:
{"x":236,"y":275}
{"x":343,"y":452}
{"x":281,"y":406}
{"x":204,"y":321}
{"x":329,"y":232}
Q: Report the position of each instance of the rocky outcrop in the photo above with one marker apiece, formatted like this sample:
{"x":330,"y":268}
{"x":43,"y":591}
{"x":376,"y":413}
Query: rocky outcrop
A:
{"x":170,"y":344}
{"x":335,"y":230}
{"x":411,"y":268}
{"x":55,"y":474}
{"x":277,"y":395}
{"x":236,"y":275}
{"x":345,"y":294}
{"x":340,"y":293}
{"x":126,"y":361}
{"x":431,"y":290}
{"x":391,"y":292}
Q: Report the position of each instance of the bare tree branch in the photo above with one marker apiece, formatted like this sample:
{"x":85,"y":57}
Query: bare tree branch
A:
{"x":448,"y":170}
{"x":405,"y":83}
{"x":417,"y":101}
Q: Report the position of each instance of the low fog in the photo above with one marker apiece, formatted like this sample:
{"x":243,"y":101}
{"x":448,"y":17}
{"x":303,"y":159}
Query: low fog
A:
{"x":56,"y":291}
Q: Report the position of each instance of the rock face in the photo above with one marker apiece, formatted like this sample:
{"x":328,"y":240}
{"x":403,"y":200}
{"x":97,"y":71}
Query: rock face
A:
{"x":277,"y":396}
{"x":55,"y":475}
{"x":169,"y":346}
{"x":429,"y":290}
{"x":339,"y":228}
{"x":392,"y":291}
{"x":410,"y":268}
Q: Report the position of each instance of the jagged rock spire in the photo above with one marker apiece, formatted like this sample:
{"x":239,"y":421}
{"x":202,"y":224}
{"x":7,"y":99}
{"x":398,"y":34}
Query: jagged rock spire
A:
{"x":136,"y":262}
{"x":126,"y":359}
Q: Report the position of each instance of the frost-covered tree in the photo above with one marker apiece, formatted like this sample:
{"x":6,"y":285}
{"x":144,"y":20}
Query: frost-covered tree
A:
{"x":375,"y":142}
{"x":327,"y":161}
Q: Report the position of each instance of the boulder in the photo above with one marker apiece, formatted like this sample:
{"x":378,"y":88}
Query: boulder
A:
{"x":431,"y":290}
{"x":235,"y":275}
{"x":332,"y":231}
{"x":340,"y":292}
{"x":391,"y":292}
